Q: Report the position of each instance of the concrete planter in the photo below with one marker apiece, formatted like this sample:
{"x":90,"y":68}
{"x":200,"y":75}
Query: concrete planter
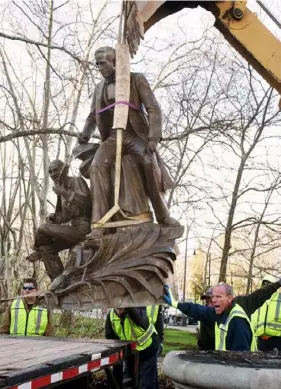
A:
{"x":223,"y":370}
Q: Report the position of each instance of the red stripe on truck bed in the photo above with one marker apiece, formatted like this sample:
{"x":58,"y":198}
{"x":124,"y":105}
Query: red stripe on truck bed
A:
{"x":66,"y":374}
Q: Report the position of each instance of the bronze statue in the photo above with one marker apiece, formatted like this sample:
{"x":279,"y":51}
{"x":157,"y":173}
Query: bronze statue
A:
{"x":140,"y":140}
{"x":130,"y":266}
{"x":74,"y":206}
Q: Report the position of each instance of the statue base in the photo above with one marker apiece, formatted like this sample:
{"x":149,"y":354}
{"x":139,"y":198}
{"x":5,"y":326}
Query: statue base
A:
{"x":125,"y":269}
{"x":223,"y":370}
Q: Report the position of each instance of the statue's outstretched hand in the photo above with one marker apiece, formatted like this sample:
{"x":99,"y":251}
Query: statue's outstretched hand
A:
{"x":82,"y":138}
{"x":151,"y":146}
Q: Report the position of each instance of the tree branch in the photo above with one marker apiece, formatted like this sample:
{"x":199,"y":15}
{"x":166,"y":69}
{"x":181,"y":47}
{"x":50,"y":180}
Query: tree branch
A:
{"x":38,"y":44}
{"x":55,"y":131}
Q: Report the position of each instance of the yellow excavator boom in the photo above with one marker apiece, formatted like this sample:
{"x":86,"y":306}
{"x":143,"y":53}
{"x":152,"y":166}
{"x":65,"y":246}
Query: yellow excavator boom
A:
{"x":240,"y":27}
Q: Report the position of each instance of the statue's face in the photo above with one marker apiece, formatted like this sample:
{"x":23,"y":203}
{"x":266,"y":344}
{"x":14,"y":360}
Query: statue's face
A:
{"x":105,"y":64}
{"x":55,"y":169}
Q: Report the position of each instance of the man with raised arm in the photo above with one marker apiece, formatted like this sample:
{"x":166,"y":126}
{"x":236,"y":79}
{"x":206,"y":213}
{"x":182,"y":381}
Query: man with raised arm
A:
{"x":250,"y":303}
{"x":233,"y":330}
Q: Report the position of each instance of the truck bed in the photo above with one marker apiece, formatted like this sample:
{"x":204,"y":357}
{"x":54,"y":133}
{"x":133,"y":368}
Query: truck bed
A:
{"x":35,"y":362}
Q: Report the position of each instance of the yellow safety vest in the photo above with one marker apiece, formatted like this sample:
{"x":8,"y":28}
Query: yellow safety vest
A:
{"x":32,"y":323}
{"x":130,"y":331}
{"x":267,"y":319}
{"x":152,"y":313}
{"x":222,"y":329}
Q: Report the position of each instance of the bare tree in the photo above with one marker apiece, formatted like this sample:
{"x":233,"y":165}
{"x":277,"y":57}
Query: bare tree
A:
{"x":41,"y":101}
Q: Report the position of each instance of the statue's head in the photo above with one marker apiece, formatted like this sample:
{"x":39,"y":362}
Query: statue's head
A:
{"x":105,"y":60}
{"x":56,"y":168}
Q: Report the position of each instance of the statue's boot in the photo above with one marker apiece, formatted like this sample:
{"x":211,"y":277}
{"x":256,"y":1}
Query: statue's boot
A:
{"x":157,"y":198}
{"x":33,"y":257}
{"x":52,"y":261}
{"x":97,"y":233}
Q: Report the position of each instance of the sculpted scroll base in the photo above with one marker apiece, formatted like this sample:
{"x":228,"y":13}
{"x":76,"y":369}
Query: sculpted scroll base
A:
{"x":128,"y":268}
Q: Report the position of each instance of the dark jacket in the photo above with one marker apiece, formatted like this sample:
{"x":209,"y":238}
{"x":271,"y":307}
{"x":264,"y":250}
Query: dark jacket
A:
{"x":206,"y":337}
{"x":250,"y":304}
{"x":77,"y":202}
{"x":140,"y":93}
{"x":159,"y":325}
{"x":139,"y":317}
{"x":145,"y":127}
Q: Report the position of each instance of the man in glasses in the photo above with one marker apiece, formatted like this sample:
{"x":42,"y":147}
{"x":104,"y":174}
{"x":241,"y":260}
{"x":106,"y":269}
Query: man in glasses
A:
{"x":24,"y":317}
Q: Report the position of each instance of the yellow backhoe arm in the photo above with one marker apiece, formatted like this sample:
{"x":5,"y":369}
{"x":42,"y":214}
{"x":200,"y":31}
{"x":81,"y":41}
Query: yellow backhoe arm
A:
{"x":240,"y":27}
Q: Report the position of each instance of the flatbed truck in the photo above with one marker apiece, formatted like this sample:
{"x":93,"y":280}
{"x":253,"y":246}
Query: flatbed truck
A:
{"x":64,"y":363}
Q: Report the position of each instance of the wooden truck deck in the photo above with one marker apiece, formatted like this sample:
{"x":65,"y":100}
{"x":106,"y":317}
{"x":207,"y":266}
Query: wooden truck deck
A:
{"x":35,"y":362}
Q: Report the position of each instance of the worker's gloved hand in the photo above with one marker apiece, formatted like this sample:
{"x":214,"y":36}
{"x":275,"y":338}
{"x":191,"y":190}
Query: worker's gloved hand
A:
{"x":169,"y":298}
{"x":160,"y":349}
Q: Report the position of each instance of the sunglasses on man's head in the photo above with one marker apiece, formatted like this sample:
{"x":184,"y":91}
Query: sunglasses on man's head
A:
{"x":28,"y":287}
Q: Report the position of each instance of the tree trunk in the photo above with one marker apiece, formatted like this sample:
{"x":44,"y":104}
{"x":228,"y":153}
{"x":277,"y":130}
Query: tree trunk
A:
{"x":228,"y":230}
{"x":47,"y":86}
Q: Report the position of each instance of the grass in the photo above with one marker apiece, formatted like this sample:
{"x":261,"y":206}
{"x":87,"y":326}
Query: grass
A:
{"x":179,"y":340}
{"x":77,"y":326}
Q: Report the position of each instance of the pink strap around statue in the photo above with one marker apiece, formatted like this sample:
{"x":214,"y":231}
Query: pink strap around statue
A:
{"x":118,"y":102}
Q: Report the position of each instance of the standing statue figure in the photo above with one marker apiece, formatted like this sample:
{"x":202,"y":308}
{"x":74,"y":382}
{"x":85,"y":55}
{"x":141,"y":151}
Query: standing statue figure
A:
{"x":74,"y":206}
{"x":140,"y":139}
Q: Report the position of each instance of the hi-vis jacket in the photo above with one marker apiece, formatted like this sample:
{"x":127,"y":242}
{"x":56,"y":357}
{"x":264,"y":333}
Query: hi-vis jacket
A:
{"x":32,"y":323}
{"x":130,"y":331}
{"x":222,"y":329}
{"x":267,"y":319}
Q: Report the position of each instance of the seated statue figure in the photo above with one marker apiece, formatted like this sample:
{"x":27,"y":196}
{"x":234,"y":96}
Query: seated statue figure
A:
{"x":73,"y":207}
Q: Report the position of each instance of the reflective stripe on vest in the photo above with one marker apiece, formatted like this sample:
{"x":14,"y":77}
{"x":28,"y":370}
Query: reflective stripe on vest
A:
{"x":146,"y":336}
{"x":130,"y":331}
{"x":278,"y":308}
{"x":267,"y":319}
{"x":222,"y":330}
{"x":22,"y":323}
{"x":152,"y":313}
{"x":16,"y":317}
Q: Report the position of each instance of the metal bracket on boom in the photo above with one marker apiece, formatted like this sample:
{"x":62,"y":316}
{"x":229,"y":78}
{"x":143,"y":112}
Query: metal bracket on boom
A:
{"x":239,"y":8}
